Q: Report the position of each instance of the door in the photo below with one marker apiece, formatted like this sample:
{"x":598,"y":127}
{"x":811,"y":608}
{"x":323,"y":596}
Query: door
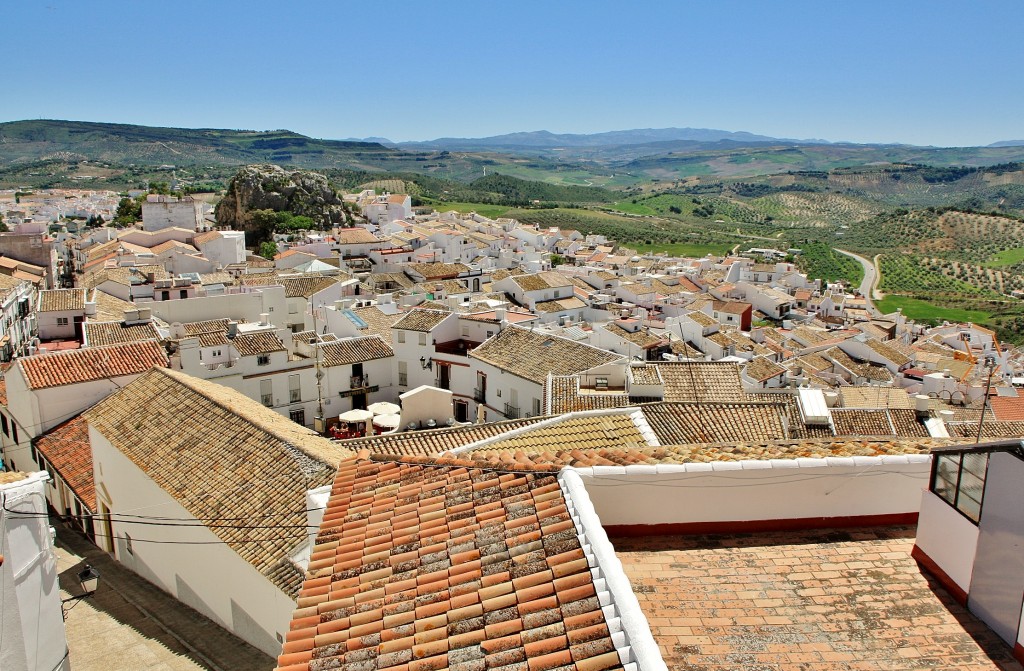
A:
{"x":997,"y":584}
{"x":461,"y":411}
{"x":444,"y":376}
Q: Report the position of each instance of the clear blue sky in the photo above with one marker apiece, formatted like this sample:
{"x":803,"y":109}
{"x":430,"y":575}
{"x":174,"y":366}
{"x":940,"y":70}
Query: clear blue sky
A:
{"x":921,"y":72}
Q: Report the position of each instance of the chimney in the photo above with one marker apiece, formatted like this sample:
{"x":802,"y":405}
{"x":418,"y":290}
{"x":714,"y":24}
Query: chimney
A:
{"x":264,"y":319}
{"x":499,"y":315}
{"x":232,"y":329}
{"x":922,"y":405}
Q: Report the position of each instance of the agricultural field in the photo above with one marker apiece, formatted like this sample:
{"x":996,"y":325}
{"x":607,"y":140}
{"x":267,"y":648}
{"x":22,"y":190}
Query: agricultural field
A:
{"x":490,"y":211}
{"x":925,"y":311}
{"x":683,"y":249}
{"x":820,"y":261}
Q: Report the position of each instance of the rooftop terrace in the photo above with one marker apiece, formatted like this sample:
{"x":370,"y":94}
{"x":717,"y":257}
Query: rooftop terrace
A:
{"x":824,"y":600}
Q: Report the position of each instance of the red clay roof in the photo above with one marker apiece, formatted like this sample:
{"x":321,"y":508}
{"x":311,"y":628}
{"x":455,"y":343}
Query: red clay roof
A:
{"x":424,"y":567}
{"x":1007,"y":408}
{"x":3,"y":392}
{"x":93,"y":363}
{"x":67,"y":448}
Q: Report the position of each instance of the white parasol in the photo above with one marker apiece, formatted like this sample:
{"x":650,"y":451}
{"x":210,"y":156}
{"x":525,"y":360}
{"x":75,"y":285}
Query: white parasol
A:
{"x":384,"y":408}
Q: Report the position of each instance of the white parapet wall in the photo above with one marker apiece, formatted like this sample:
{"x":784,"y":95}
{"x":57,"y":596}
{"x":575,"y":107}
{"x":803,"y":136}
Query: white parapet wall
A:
{"x":775,"y":493}
{"x":637,"y":649}
{"x":948,"y":539}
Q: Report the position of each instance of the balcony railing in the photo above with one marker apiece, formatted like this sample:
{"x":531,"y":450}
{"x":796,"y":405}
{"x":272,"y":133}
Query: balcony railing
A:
{"x":480,"y":395}
{"x":511,"y":411}
{"x":359,"y":381}
{"x":267,"y":399}
{"x":294,"y":395}
{"x":442,"y":383}
{"x":403,"y":379}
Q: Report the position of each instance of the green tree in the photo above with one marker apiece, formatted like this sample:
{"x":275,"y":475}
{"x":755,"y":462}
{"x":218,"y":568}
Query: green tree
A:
{"x":261,"y":225}
{"x":129,"y":210}
{"x":268,"y":250}
{"x":557,"y":260}
{"x":3,"y":224}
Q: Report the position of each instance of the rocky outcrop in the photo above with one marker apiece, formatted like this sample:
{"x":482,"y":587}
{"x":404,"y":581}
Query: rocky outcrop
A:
{"x":271,"y":187}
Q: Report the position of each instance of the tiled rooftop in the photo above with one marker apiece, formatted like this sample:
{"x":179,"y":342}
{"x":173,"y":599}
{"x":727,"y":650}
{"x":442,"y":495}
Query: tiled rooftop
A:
{"x":563,"y":393}
{"x":93,"y":363}
{"x":879,"y":422}
{"x":438,"y":271}
{"x":538,"y":281}
{"x":295,"y":286}
{"x":68,"y":449}
{"x":435,"y":441}
{"x":679,"y":423}
{"x":60,"y":300}
{"x":587,"y":432}
{"x":261,"y":342}
{"x":875,"y":397}
{"x":203,"y":463}
{"x":422,"y":568}
{"x":419,"y":319}
{"x":850,"y":600}
{"x":701,"y":381}
{"x":354,"y":350}
{"x":533,"y":355}
{"x":113,"y":332}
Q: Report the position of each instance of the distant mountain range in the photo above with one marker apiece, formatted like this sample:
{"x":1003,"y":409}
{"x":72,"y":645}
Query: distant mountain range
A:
{"x":613,"y":159}
{"x":548,"y":140}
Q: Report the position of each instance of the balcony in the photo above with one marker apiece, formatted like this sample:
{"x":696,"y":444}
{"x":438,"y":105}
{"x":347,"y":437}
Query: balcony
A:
{"x":294,"y":395}
{"x":360,"y":381}
{"x":442,"y":383}
{"x":267,"y":400}
{"x":511,"y":411}
{"x":480,"y":395}
{"x":455,"y":347}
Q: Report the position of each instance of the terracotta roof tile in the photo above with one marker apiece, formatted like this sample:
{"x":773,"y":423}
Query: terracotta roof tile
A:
{"x":435,"y":441}
{"x":420,"y":319}
{"x":231,"y":442}
{"x":678,"y":423}
{"x":67,"y":448}
{"x":113,"y":332}
{"x":533,"y":355}
{"x":261,"y":342}
{"x":428,"y":566}
{"x":93,"y":363}
{"x":348,"y":351}
{"x":61,"y":300}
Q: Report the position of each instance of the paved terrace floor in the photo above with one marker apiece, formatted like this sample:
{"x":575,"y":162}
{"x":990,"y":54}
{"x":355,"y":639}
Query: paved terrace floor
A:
{"x":850,"y":600}
{"x":131,"y":624}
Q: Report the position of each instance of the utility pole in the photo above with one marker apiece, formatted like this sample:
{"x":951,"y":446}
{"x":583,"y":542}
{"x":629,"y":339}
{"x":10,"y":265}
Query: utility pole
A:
{"x":990,"y":363}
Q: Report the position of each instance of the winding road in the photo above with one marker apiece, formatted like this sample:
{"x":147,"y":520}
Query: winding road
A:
{"x":872,"y":276}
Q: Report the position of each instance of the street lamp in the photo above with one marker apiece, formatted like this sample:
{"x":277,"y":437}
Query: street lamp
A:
{"x":89,"y":579}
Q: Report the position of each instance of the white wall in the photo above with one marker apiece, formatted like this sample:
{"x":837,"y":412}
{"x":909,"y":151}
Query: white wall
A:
{"x":31,"y":626}
{"x":245,"y":306}
{"x":212,"y":578}
{"x":750,"y":491}
{"x":948,"y":538}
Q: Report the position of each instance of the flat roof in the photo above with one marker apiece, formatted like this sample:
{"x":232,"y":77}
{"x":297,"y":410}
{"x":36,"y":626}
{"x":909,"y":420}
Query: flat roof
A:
{"x":796,"y":600}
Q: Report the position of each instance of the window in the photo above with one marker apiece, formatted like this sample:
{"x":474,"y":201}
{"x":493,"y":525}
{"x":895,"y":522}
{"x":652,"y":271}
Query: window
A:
{"x":267,"y":392}
{"x":959,"y":479}
{"x":183,"y":293}
{"x":3,"y":425}
{"x":298,"y":416}
{"x":423,"y":338}
{"x":62,"y":321}
{"x":403,"y":373}
{"x":35,"y":454}
{"x":14,"y":431}
{"x":128,"y":543}
{"x":536,"y":407}
{"x":294,"y":389}
{"x":166,"y":295}
{"x":263,"y":360}
{"x":401,"y":336}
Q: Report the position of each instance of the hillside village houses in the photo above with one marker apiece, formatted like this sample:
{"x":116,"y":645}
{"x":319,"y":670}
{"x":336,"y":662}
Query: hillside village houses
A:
{"x":540,"y":397}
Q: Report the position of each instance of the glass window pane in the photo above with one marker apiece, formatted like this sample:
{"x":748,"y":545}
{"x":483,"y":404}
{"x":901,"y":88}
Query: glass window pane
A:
{"x":976,"y":464}
{"x":969,"y":507}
